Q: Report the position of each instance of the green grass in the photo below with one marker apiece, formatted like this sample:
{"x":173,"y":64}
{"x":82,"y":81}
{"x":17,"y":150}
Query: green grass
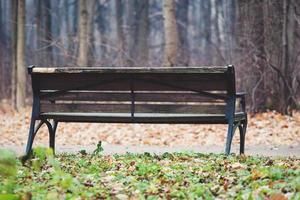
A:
{"x":144,"y":176}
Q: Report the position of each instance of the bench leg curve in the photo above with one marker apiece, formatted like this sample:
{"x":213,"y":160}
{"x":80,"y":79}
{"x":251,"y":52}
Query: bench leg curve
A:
{"x":32,"y":132}
{"x":52,"y":130}
{"x":52,"y":136}
{"x":231,"y":129}
{"x":31,"y":136}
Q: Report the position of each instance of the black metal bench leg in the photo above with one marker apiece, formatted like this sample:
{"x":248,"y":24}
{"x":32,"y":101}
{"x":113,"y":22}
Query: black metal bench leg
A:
{"x":243,"y":129}
{"x":231,"y":129}
{"x":242,"y":139}
{"x":52,"y":129}
{"x":30,"y":137}
{"x":52,"y":135}
{"x":32,"y":132}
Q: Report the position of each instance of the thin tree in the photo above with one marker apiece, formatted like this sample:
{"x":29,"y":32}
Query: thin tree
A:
{"x":182,"y":24}
{"x":82,"y":59}
{"x":21,"y":68}
{"x":120,"y":32}
{"x":14,"y":17}
{"x":48,"y":30}
{"x":85,"y":31}
{"x":206,"y":16}
{"x":1,"y":49}
{"x":44,"y":32}
{"x":143,"y":33}
{"x":132,"y":19}
{"x":171,"y":34}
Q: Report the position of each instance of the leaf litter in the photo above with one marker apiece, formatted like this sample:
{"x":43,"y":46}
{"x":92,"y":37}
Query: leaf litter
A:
{"x":269,"y":128}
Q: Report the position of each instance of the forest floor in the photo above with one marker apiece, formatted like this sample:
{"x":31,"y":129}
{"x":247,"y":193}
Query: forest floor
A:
{"x":269,"y":130}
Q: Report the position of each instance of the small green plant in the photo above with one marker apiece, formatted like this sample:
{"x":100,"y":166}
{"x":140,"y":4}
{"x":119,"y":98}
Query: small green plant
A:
{"x":99,"y":149}
{"x":8,"y":163}
{"x":8,"y":173}
{"x":83,"y":152}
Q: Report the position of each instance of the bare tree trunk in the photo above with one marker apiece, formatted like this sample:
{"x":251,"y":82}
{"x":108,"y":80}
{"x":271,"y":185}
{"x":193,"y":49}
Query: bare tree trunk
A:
{"x":257,"y":38}
{"x":71,"y":27}
{"x":171,"y":34}
{"x":251,"y":30}
{"x":206,"y":17}
{"x":132,"y":19}
{"x":103,"y":27}
{"x":293,"y":51}
{"x":229,"y":8}
{"x":39,"y":35}
{"x":183,"y":6}
{"x":287,"y":52}
{"x":1,"y":23}
{"x":120,"y":33}
{"x":143,"y":33}
{"x":91,"y":39}
{"x":2,"y":87}
{"x":82,"y":59}
{"x":21,"y":68}
{"x":14,"y":17}
{"x":48,"y":31}
{"x":217,"y":55}
{"x":44,"y":32}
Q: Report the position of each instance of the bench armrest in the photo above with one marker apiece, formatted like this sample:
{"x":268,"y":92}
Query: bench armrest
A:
{"x":240,"y":94}
{"x":242,"y":97}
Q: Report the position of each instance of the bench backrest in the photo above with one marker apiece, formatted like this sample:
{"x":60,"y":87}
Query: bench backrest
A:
{"x":201,"y":90}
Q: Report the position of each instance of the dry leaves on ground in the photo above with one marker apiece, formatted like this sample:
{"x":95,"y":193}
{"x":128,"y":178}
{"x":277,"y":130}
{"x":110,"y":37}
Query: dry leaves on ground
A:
{"x":268,"y":128}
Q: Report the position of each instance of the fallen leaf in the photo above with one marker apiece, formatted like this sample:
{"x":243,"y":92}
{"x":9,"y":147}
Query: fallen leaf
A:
{"x":277,"y":196}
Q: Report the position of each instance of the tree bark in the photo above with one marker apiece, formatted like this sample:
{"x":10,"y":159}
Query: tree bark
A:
{"x":48,"y":31}
{"x":103,"y":26}
{"x":2,"y":87}
{"x":1,"y":21}
{"x":82,"y":59}
{"x":171,"y":34}
{"x":287,"y":53}
{"x":218,"y":12}
{"x":21,"y":68}
{"x":44,"y":32}
{"x":257,"y":38}
{"x":91,"y":11}
{"x":182,"y":16}
{"x":14,"y":17}
{"x":143,"y":33}
{"x":206,"y":17}
{"x":120,"y":33}
{"x":251,"y":51}
{"x":132,"y":19}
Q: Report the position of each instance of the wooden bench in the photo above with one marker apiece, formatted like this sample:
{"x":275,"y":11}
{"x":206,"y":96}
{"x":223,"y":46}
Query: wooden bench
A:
{"x":194,"y":95}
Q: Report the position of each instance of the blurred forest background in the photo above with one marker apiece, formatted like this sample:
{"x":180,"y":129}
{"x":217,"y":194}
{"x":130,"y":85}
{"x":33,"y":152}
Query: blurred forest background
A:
{"x":260,"y":37}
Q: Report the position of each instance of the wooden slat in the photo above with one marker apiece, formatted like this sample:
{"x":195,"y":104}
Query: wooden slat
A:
{"x":154,"y":82}
{"x":139,"y":118}
{"x":126,"y":96}
{"x":139,"y":108}
{"x":142,"y":117}
{"x":81,"y":70}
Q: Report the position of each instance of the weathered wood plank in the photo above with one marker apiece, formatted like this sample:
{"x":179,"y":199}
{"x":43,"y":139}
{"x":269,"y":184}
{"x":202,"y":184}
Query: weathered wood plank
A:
{"x":126,"y":96}
{"x":139,"y":108}
{"x":138,"y":118}
{"x":128,"y":70}
{"x":152,"y":82}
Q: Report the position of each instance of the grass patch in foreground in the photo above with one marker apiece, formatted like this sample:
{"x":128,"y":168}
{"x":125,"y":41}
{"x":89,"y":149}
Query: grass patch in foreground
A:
{"x":145,"y":176}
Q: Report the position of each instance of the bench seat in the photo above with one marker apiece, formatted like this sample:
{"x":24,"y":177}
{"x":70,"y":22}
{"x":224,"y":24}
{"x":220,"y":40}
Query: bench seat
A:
{"x":141,"y":117}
